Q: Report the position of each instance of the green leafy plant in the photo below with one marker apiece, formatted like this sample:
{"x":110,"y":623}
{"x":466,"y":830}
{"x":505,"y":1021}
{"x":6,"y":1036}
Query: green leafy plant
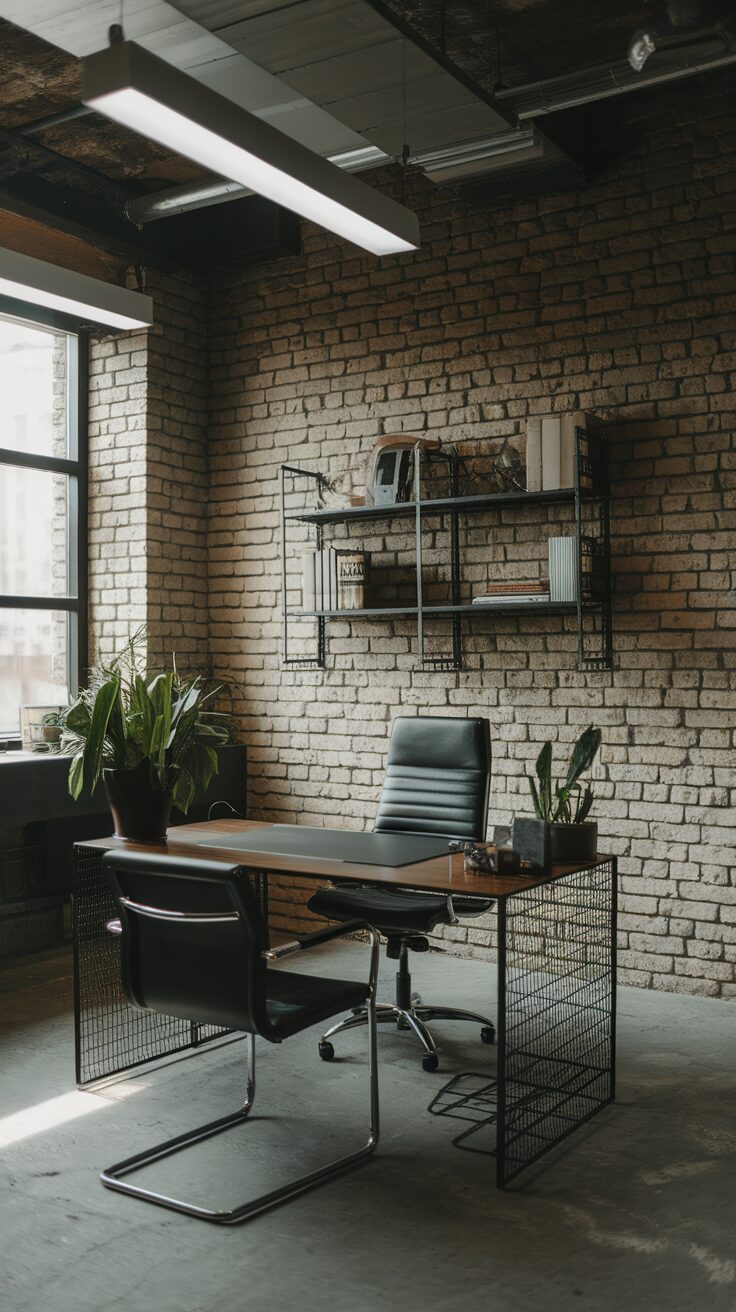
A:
{"x":125,"y":717}
{"x":567,"y":803}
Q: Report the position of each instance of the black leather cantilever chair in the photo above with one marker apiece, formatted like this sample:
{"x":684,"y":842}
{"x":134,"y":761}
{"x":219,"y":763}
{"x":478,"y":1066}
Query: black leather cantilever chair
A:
{"x":437,"y":782}
{"x":194,"y":945}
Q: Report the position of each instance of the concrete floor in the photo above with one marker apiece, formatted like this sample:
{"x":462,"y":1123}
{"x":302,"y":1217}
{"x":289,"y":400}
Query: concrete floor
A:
{"x":636,"y":1210}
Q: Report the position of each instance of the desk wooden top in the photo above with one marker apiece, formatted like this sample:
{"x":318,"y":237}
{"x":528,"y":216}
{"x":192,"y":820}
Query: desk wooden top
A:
{"x":436,"y":875}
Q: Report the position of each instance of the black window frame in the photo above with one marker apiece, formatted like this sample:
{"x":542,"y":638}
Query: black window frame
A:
{"x":76,"y":466}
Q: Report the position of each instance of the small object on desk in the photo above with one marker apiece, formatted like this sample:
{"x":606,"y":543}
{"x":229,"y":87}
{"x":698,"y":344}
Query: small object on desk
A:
{"x":479,"y":858}
{"x":530,"y":838}
{"x":508,"y":861}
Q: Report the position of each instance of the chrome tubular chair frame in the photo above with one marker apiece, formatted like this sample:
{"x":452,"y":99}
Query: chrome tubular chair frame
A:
{"x":114,"y":1177}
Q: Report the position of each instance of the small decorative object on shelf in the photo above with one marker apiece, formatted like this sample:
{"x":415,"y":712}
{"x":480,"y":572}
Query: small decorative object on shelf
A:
{"x":151,"y":738}
{"x":391,"y":467}
{"x":33,"y":720}
{"x":508,"y":468}
{"x":561,"y":832}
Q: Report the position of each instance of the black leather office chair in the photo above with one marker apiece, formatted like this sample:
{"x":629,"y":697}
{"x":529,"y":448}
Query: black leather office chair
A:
{"x":195,"y":945}
{"x":437,"y":782}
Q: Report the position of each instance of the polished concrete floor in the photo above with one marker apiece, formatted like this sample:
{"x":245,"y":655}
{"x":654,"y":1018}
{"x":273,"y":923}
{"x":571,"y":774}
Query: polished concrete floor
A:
{"x":636,"y":1210}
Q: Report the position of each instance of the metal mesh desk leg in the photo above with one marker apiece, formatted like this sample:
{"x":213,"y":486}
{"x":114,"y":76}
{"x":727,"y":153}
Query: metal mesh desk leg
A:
{"x":557,"y":993}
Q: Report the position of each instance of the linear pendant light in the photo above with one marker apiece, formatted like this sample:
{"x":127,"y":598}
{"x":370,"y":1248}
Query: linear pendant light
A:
{"x":28,"y":279}
{"x":136,"y":88}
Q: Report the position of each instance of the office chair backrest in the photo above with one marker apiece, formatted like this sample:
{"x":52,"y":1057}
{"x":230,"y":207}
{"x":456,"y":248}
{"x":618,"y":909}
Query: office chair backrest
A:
{"x":438,"y":777}
{"x":192,"y":939}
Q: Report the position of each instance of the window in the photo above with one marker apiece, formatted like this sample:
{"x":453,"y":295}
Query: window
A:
{"x":42,"y":529}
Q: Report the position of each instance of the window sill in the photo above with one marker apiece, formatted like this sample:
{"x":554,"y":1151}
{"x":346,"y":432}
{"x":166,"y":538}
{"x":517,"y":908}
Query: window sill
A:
{"x":14,"y":756}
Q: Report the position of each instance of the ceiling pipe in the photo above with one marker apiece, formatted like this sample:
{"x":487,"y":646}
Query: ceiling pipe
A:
{"x":605,"y":80}
{"x":214,"y":191}
{"x":52,"y":120}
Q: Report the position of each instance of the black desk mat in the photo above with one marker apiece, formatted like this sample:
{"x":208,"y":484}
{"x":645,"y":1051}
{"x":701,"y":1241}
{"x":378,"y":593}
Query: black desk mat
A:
{"x":377,"y":849}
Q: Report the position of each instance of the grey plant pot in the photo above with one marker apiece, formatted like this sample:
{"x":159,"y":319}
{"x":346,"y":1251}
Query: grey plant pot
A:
{"x":572,"y":844}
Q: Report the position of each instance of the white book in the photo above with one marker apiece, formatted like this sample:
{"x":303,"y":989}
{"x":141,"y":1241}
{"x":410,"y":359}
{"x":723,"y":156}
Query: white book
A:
{"x":308,"y":563}
{"x":550,"y":452}
{"x":332,"y":577}
{"x":534,"y":454}
{"x":563,"y":569}
{"x":567,"y":449}
{"x":320,"y":582}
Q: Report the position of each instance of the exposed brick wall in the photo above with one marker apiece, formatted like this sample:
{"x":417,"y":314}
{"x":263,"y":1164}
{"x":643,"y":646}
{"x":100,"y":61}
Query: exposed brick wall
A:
{"x":618,"y":300}
{"x":148,"y":473}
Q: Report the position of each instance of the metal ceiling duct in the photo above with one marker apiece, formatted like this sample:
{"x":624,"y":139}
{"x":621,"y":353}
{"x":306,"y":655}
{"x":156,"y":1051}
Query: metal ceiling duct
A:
{"x":707,"y":51}
{"x":214,"y":191}
{"x":602,"y":81}
{"x":472,"y":159}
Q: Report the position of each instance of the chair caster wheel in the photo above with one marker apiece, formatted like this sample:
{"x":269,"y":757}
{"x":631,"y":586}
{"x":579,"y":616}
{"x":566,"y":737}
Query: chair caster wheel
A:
{"x":430,"y":1062}
{"x":488,"y":1034}
{"x":326,"y":1051}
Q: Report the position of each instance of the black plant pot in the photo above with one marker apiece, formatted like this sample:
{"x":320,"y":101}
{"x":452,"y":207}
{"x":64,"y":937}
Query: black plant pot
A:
{"x":573,"y":844}
{"x":140,"y":812}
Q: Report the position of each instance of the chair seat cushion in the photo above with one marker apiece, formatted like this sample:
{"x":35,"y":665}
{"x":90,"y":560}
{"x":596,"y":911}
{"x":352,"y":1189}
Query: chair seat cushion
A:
{"x":294,"y":1002}
{"x":390,"y":910}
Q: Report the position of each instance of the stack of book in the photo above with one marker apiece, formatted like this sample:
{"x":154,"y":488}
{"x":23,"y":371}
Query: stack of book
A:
{"x":520,"y":591}
{"x":333,"y":580}
{"x":550,"y":448}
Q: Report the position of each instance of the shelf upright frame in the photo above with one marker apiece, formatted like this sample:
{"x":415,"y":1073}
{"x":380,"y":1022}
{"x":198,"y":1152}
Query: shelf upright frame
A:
{"x":593,"y":551}
{"x":418,"y":553}
{"x":454,"y":661}
{"x":317,"y":660}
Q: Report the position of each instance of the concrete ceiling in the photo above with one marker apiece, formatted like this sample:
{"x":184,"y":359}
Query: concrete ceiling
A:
{"x":348,"y":58}
{"x":81,"y":27}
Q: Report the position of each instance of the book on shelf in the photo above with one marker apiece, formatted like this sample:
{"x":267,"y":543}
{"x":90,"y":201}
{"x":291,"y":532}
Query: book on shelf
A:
{"x":352,"y":567}
{"x":510,"y":598}
{"x":550,"y":449}
{"x":563,"y":569}
{"x":333,"y":580}
{"x":502,"y":587}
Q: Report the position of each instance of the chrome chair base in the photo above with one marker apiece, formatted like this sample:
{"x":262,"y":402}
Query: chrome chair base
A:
{"x":113,"y":1177}
{"x":412,"y":1018}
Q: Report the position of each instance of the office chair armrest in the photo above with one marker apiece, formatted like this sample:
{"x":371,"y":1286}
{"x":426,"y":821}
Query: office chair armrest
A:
{"x":314,"y":940}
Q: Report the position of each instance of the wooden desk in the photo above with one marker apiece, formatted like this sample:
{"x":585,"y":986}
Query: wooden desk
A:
{"x":555,"y":965}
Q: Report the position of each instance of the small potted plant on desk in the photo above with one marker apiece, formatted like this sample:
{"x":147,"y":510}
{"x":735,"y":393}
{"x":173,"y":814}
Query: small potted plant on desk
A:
{"x":563,"y":808}
{"x":151,"y":738}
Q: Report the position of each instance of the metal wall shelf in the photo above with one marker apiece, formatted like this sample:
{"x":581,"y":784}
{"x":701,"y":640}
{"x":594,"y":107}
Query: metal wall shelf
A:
{"x":589,"y":497}
{"x":383,"y":612}
{"x":434,"y":506}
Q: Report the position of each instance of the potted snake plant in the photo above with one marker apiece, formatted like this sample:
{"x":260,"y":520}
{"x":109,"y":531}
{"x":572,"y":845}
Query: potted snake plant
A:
{"x":564,"y":806}
{"x":150,"y":737}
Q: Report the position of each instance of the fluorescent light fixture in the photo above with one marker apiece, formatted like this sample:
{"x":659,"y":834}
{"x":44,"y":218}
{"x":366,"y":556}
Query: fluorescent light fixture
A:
{"x":143,"y":92}
{"x":29,"y":279}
